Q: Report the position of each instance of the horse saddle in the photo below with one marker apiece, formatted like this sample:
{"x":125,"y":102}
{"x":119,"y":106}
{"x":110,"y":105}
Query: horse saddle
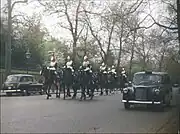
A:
{"x":105,"y":72}
{"x":87,"y":69}
{"x":51,"y":68}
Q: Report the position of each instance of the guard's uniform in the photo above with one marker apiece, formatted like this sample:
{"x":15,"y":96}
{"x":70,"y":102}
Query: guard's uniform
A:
{"x":53,"y":66}
{"x":53,"y":63}
{"x":86,"y":65}
{"x":103,"y":68}
{"x":123,"y":73}
{"x":69,"y":64}
{"x":113,"y":70}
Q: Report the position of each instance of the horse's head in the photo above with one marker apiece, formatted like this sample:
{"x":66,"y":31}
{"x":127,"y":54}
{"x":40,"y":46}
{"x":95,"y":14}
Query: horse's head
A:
{"x":43,"y":71}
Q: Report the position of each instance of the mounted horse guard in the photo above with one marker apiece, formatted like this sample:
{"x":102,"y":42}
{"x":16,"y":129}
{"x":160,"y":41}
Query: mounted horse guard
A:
{"x":87,"y":78}
{"x":68,"y":76}
{"x":112,"y":78}
{"x":69,"y":64}
{"x":51,"y":77}
{"x":123,"y":78}
{"x":103,"y":77}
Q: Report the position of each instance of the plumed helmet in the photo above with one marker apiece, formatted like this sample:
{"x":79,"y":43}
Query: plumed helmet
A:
{"x":109,"y":69}
{"x":113,"y":66}
{"x":123,"y":69}
{"x":68,"y":57}
{"x":103,"y":64}
{"x":85,"y":57}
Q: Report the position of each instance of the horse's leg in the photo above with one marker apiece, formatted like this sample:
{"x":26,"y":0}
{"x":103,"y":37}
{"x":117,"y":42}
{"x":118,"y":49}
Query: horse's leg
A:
{"x":75,"y":92}
{"x":106,"y":89}
{"x":48,"y":92}
{"x":87,"y":88}
{"x":101,"y":87}
{"x":83,"y":95}
{"x":81,"y":87}
{"x":64,"y":91}
{"x":57,"y":90}
{"x":92,"y":92}
{"x":68,"y":91}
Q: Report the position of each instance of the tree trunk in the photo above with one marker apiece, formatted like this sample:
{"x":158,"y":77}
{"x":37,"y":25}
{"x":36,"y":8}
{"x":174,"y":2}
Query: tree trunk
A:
{"x":109,"y":43}
{"x":132,"y":55}
{"x":178,"y":20}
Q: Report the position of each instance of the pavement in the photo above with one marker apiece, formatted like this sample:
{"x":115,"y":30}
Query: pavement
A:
{"x":35,"y":114}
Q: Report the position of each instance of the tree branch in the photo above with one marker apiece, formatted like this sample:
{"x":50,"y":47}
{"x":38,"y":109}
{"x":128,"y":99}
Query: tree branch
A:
{"x":161,"y":25}
{"x":17,"y":2}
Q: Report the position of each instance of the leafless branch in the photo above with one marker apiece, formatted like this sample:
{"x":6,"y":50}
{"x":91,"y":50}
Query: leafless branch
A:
{"x":17,"y":2}
{"x":161,"y":25}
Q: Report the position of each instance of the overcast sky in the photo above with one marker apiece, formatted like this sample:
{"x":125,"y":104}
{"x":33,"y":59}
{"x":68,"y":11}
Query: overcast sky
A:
{"x":51,"y":22}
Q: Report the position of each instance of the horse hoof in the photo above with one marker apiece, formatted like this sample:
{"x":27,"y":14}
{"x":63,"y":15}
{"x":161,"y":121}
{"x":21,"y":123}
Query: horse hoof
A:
{"x":47,"y":98}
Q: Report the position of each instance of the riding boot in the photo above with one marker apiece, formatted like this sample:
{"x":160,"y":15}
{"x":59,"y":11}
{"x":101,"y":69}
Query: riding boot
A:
{"x":101,"y":92}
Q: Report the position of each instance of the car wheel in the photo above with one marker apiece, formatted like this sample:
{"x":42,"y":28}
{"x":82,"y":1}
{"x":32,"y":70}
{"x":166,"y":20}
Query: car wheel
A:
{"x":9,"y":94}
{"x":127,"y":105}
{"x":25,"y":93}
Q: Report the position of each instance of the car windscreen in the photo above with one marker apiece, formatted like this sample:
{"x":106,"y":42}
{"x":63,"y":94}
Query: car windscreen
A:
{"x":139,"y":79}
{"x":12,"y":79}
{"x":27,"y":79}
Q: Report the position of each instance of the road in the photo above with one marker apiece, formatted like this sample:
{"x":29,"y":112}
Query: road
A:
{"x":35,"y":114}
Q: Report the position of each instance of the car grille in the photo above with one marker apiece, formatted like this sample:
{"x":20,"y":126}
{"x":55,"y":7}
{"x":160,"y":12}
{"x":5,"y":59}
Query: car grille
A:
{"x":141,"y":94}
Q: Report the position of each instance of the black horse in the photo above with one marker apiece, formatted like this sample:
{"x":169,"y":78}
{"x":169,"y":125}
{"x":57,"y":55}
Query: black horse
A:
{"x":86,"y":81}
{"x":103,"y":82}
{"x":111,"y":82}
{"x":67,"y":81}
{"x":76,"y":83}
{"x":51,"y":78}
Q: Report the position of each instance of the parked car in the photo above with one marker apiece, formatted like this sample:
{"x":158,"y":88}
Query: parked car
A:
{"x":21,"y":83}
{"x":151,"y":88}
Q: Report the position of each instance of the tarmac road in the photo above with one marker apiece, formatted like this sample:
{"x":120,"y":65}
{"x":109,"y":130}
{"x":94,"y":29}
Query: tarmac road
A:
{"x":35,"y":114}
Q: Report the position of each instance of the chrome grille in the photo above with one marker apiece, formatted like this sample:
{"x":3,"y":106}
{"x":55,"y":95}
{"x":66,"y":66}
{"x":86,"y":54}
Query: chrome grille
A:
{"x":141,"y":94}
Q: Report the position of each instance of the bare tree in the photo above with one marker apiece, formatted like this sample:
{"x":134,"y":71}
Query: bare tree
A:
{"x":71,"y":10}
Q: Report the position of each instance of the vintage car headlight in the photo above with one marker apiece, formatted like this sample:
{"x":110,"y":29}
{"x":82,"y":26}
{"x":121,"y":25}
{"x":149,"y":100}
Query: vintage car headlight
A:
{"x":156,"y":90}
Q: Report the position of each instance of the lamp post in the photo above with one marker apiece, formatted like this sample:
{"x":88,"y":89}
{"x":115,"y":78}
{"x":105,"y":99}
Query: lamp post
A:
{"x":28,"y":55}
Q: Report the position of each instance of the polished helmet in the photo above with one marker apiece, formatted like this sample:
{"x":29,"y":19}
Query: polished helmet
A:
{"x":68,"y":57}
{"x":85,"y":57}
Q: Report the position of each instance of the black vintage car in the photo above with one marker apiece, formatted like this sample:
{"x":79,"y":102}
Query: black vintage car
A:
{"x":151,"y":88}
{"x":21,"y":83}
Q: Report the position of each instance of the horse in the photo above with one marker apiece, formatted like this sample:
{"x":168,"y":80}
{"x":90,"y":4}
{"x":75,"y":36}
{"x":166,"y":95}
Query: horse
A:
{"x":86,"y":81}
{"x":76,"y":83}
{"x":103,"y":82}
{"x":111,"y":82}
{"x":67,"y":81}
{"x":51,"y":78}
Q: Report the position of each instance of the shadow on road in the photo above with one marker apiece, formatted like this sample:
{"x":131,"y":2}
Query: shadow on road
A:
{"x":148,"y":109}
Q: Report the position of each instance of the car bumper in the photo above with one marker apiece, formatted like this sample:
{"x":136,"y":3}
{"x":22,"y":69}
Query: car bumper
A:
{"x":12,"y":90}
{"x":142,"y":102}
